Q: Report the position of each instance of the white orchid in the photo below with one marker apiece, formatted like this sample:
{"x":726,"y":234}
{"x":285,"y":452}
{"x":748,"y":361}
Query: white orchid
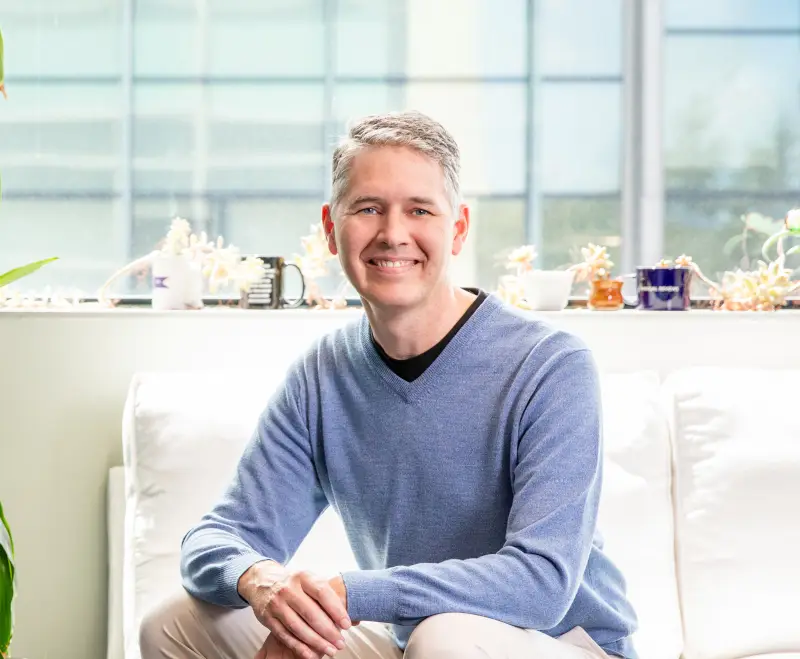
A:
{"x":521,"y":258}
{"x":792,"y":221}
{"x":316,"y":254}
{"x":595,"y":265}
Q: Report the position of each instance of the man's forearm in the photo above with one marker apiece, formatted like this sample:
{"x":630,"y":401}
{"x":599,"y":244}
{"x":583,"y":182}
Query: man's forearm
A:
{"x":212,"y":564}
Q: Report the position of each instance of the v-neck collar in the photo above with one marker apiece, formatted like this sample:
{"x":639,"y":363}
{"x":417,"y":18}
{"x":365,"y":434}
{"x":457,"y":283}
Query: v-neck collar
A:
{"x":421,"y":386}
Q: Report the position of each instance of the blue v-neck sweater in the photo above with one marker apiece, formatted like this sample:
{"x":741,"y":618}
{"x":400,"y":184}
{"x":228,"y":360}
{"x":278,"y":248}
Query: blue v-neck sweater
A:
{"x":472,"y":489}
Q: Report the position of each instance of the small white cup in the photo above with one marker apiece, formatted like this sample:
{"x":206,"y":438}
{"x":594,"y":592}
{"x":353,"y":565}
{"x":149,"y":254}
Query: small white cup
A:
{"x":547,"y":290}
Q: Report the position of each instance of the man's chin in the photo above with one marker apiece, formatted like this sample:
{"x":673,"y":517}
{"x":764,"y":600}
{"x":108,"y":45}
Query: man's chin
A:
{"x":395,"y":297}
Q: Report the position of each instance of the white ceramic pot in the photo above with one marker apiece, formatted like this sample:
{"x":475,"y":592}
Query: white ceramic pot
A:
{"x":547,"y":290}
{"x":177,"y":283}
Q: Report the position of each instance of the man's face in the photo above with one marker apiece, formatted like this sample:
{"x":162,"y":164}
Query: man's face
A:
{"x":394,"y":228}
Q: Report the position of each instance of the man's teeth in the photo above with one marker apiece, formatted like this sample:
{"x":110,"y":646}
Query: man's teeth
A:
{"x":393,"y":264}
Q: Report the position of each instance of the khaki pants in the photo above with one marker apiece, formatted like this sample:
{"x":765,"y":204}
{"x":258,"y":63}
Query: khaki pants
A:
{"x":186,"y":628}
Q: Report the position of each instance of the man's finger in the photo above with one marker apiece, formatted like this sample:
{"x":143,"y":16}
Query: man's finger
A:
{"x":322,"y":592}
{"x":312,"y":612}
{"x":291,"y":641}
{"x":303,"y":632}
{"x":262,"y":652}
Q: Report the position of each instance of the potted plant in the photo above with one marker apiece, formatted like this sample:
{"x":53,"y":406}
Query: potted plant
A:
{"x":765,"y":288}
{"x":531,"y":288}
{"x":7,"y":582}
{"x":605,"y":292}
{"x":184,"y":263}
{"x":14,"y":274}
{"x":313,"y":263}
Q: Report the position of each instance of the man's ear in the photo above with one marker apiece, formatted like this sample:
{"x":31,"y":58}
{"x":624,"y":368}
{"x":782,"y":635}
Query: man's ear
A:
{"x":327,"y":225}
{"x":460,"y":229}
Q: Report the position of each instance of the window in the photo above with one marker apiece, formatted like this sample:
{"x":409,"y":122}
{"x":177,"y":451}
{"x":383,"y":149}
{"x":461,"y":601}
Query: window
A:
{"x":731,"y":121}
{"x":650,"y":127}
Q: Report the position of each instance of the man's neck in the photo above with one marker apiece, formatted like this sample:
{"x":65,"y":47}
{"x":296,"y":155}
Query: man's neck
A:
{"x":410,"y":332}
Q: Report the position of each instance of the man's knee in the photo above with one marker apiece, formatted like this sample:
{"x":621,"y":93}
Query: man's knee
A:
{"x":161,"y":625}
{"x":442,"y":637}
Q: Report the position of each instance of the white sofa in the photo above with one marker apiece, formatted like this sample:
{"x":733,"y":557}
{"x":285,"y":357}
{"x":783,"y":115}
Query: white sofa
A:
{"x":700,"y":508}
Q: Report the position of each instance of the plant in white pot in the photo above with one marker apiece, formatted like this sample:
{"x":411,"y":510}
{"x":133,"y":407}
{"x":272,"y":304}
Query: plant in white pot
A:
{"x":185,"y":264}
{"x":532,"y":288}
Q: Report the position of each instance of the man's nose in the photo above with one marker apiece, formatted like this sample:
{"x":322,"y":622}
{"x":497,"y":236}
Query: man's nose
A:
{"x":393,"y":230}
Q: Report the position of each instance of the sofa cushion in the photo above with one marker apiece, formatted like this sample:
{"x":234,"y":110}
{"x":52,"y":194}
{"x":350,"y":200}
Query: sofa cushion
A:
{"x":183,"y":435}
{"x":636,"y":508}
{"x":737,"y":477}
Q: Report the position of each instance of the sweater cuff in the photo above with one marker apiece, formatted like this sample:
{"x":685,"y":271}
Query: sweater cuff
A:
{"x":228,"y":584}
{"x":372,"y":595}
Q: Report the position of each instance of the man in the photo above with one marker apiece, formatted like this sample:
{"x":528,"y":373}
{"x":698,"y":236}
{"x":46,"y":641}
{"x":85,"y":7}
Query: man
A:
{"x":458,"y":439}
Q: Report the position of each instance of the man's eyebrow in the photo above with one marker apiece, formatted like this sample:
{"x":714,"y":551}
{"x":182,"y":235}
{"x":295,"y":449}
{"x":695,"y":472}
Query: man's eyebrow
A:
{"x":425,"y":201}
{"x":366,"y":199}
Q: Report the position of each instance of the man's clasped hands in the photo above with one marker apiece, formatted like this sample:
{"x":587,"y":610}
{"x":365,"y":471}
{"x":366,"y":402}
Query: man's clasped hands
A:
{"x":305,"y":614}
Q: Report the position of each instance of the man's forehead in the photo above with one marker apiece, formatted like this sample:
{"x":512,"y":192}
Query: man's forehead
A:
{"x":409,"y":175}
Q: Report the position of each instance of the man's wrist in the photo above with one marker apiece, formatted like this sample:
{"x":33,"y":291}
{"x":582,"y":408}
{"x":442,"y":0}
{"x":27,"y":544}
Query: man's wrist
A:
{"x":252,"y":577}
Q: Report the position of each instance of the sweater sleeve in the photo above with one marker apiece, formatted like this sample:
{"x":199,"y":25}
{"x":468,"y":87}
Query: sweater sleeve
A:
{"x":532,"y":580}
{"x":266,"y":511}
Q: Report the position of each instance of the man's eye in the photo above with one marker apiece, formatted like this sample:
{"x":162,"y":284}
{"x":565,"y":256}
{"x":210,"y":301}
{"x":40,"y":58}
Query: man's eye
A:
{"x":420,"y":212}
{"x":368,"y":211}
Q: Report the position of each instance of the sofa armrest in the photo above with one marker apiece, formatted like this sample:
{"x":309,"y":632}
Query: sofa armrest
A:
{"x":115,"y":518}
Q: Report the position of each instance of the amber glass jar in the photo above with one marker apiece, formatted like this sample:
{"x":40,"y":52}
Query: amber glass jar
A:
{"x":606,"y":295}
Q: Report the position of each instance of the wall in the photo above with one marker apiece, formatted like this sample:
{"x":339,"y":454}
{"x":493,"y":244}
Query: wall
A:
{"x":64,"y":381}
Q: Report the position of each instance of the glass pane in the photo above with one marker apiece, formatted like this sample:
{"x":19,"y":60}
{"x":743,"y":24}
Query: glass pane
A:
{"x":352,"y":101}
{"x":431,"y":38}
{"x":274,"y":227}
{"x":75,"y":38}
{"x":580,"y":139}
{"x":496,"y":227}
{"x":271,"y":227}
{"x":87,"y":235}
{"x":229,"y":137}
{"x":570,"y":223}
{"x":712,"y":227}
{"x":229,"y":38}
{"x":373,"y":27}
{"x":579,"y":37}
{"x":733,"y":13}
{"x":60,"y":138}
{"x":488,"y":122}
{"x":731,"y":114}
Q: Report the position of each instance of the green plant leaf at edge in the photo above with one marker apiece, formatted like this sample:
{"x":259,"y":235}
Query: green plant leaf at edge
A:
{"x":23,"y":271}
{"x":7,"y":578}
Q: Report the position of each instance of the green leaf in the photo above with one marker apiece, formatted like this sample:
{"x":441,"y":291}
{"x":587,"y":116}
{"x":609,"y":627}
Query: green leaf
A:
{"x":6,"y":584}
{"x":7,"y":527}
{"x":23,"y":271}
{"x":793,"y":250}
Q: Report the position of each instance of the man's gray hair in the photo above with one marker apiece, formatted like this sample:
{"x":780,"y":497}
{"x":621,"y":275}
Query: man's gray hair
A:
{"x":410,"y":129}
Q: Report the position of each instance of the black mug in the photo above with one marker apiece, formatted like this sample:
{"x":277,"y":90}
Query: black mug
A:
{"x":664,"y":288}
{"x":267,"y":292}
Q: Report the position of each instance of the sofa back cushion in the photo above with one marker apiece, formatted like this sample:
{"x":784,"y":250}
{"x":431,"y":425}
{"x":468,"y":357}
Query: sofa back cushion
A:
{"x":636,"y":509}
{"x":736,"y":435}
